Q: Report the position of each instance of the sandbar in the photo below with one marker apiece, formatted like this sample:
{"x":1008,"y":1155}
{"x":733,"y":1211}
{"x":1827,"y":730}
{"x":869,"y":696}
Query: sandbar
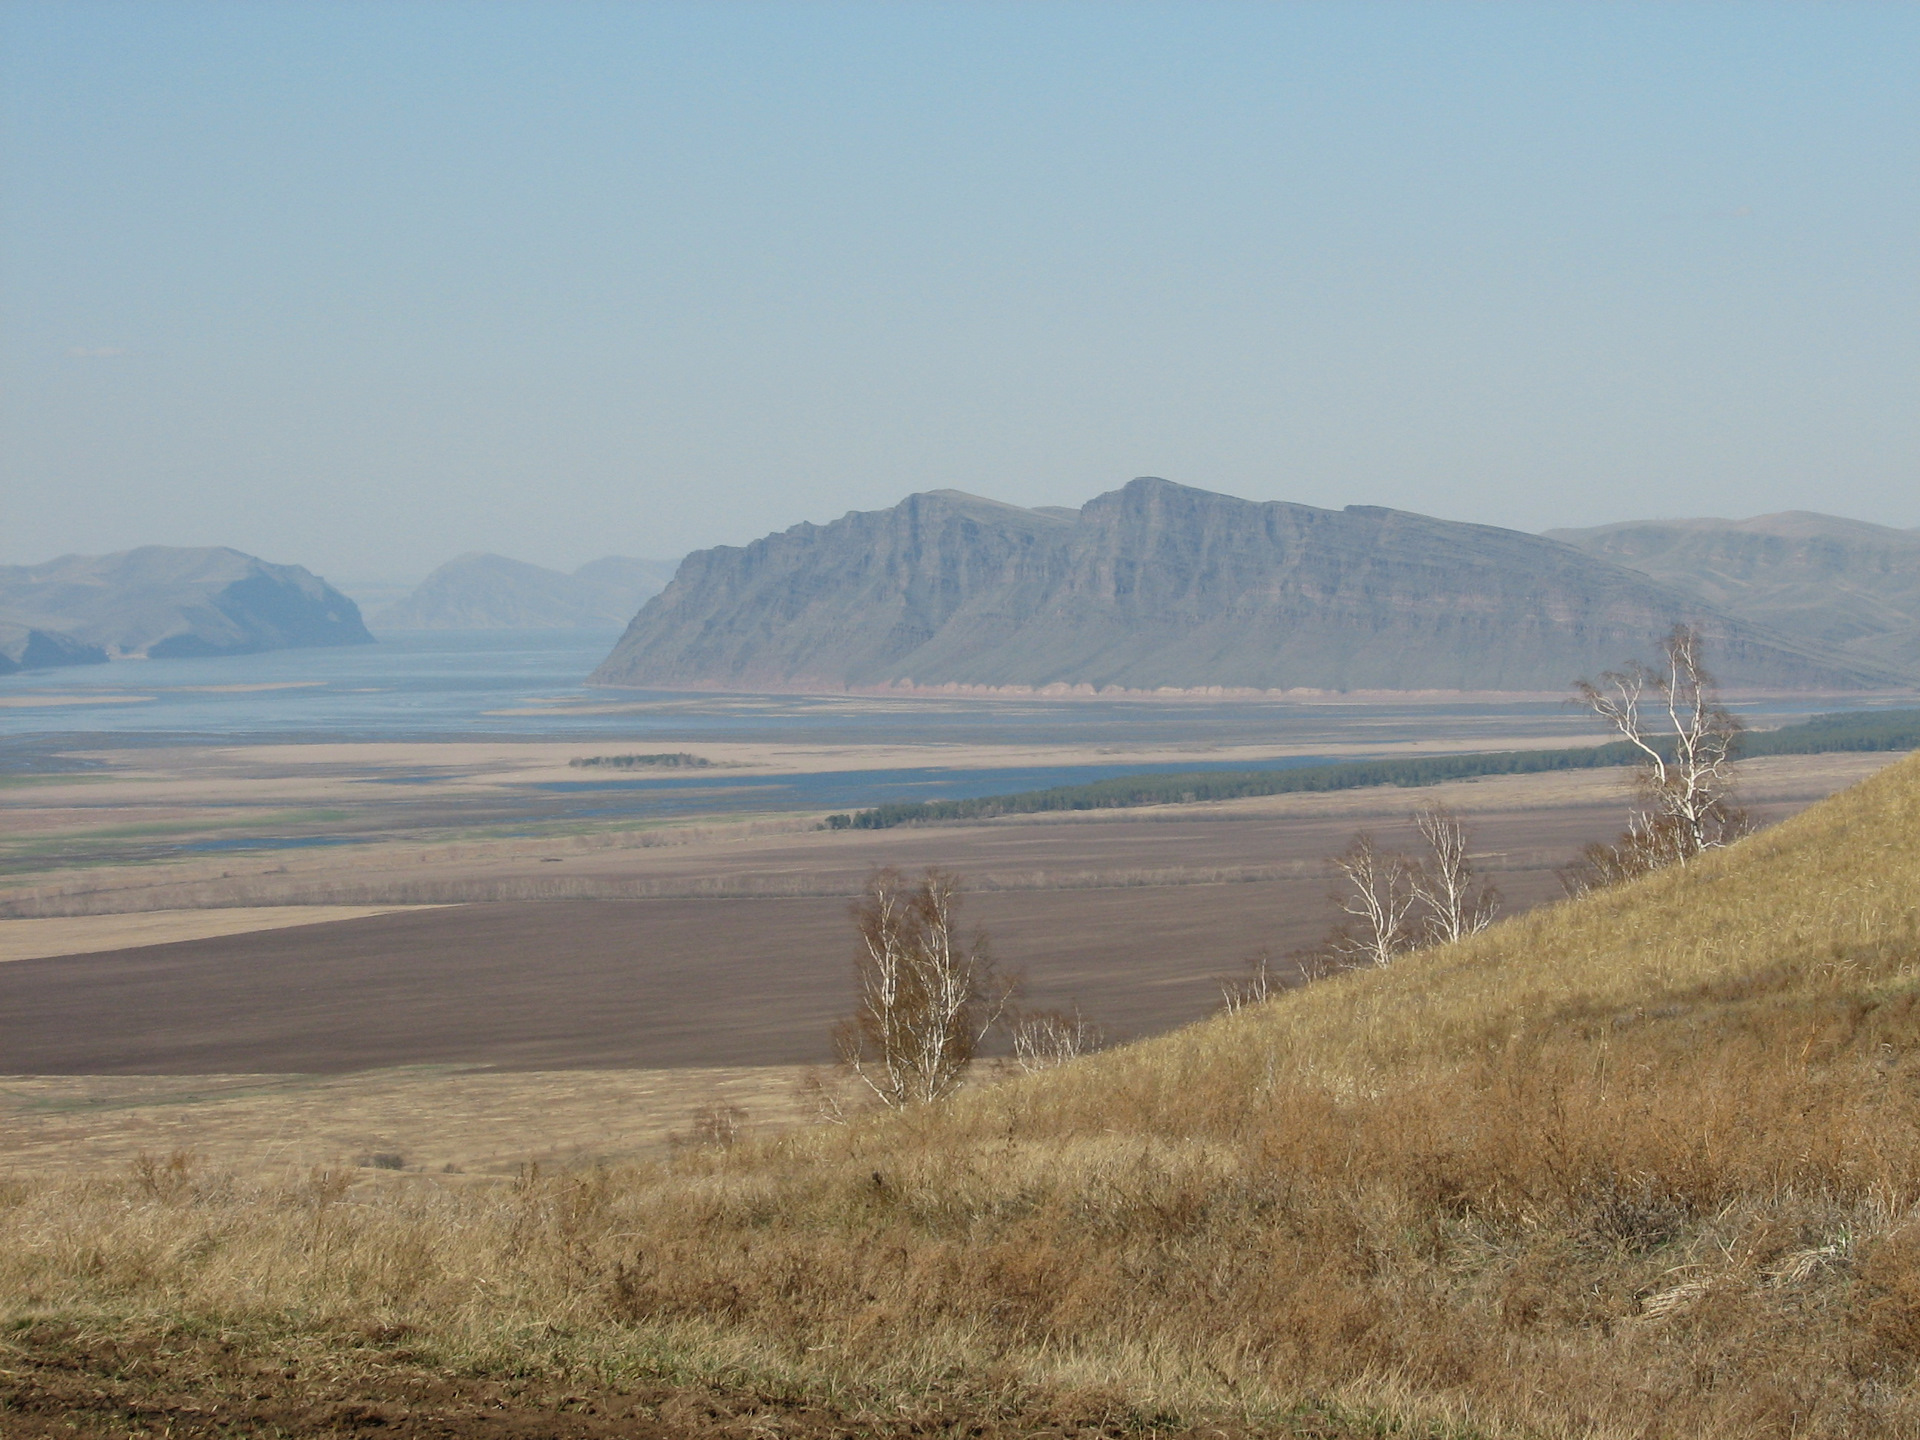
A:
{"x":27,"y":702}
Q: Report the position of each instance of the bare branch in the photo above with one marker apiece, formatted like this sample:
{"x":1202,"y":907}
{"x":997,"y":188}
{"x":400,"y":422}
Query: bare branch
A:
{"x":1445,"y":884}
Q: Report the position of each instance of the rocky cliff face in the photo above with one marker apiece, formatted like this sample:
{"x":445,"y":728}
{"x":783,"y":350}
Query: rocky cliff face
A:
{"x":492,"y":592}
{"x":822,"y":607}
{"x":163,"y":602}
{"x":1159,"y":585}
{"x":1850,"y":588}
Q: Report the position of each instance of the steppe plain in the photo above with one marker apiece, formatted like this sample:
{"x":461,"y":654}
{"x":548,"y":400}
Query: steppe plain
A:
{"x":441,"y":969}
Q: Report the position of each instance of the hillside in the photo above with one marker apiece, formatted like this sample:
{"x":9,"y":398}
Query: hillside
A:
{"x":23,"y":648}
{"x":1643,"y":1164}
{"x":492,"y":592}
{"x":1159,"y":585}
{"x":161,"y":602}
{"x":1844,"y":585}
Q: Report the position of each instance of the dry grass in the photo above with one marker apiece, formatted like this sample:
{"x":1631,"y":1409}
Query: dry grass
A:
{"x":341,"y":899}
{"x":376,"y":875}
{"x":1646,"y":1164}
{"x":440,"y":1120}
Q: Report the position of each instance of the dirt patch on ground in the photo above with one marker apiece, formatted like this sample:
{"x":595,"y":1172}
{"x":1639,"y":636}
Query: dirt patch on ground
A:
{"x":63,"y":1382}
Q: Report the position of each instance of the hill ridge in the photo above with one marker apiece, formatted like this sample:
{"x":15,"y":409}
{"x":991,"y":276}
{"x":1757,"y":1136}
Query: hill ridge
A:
{"x":1165,"y":586}
{"x":1849,"y":587}
{"x":481,"y":590}
{"x":167,"y":601}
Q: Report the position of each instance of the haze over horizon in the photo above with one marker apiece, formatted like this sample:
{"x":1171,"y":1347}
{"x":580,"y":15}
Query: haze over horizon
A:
{"x":361,"y":287}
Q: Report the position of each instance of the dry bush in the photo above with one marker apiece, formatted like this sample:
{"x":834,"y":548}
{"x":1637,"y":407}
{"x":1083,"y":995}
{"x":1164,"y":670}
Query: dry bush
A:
{"x":718,"y":1125}
{"x":1644,"y":1164}
{"x":1043,"y":1039}
{"x":1255,"y":987}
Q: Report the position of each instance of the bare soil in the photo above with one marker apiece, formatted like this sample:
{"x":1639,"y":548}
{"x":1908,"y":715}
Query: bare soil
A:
{"x":85,"y":934}
{"x":62,"y":1381}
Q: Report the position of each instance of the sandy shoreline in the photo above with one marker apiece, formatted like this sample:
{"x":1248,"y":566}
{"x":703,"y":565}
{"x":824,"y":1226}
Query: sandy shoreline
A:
{"x":530,"y":761}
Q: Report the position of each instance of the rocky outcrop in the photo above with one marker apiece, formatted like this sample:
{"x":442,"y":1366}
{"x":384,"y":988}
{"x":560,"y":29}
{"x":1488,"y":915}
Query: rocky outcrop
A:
{"x":162,"y":602}
{"x":1850,"y":588}
{"x":1159,"y":585}
{"x":492,"y":592}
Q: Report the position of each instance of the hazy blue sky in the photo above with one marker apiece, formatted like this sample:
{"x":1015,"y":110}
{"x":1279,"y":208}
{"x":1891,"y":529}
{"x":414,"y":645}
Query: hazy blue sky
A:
{"x":363,"y":286}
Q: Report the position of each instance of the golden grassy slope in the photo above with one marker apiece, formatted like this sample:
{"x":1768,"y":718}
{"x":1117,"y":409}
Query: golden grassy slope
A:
{"x":1644,"y":1164}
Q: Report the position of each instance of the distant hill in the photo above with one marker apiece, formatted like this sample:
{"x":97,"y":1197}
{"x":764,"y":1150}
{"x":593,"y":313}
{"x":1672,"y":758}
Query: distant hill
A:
{"x":1158,"y":585}
{"x":1844,"y":585}
{"x":492,"y":592}
{"x":163,"y":602}
{"x":24,"y":648}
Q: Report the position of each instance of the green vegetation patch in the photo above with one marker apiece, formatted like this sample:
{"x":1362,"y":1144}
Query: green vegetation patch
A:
{"x":1852,"y":730}
{"x":677,"y":760}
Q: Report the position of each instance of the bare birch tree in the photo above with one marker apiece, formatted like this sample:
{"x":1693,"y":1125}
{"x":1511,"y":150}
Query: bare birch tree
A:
{"x":1672,"y":714}
{"x":1457,"y":904}
{"x":1374,"y":889}
{"x":1393,"y":903}
{"x":927,"y":997}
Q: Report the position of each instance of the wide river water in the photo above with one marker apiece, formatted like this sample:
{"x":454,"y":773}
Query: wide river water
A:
{"x":446,"y":685}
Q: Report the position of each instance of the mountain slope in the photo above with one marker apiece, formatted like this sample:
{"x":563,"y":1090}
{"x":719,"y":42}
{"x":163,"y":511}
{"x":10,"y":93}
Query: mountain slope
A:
{"x":1160,"y":585}
{"x":1845,"y":585}
{"x":493,"y":592}
{"x":23,"y":648}
{"x":163,"y":602}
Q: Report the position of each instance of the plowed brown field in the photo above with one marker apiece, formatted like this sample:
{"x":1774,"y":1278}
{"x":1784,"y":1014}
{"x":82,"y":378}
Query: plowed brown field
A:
{"x":1132,"y":916}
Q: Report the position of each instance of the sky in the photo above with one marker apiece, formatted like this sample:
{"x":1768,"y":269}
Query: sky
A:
{"x":364,"y":286}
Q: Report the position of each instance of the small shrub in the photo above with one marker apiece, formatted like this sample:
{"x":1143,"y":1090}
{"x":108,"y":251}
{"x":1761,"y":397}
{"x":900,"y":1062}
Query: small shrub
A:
{"x":1046,"y":1038}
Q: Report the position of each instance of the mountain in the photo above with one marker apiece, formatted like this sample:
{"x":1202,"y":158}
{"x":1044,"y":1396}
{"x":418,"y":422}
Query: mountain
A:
{"x":163,"y":602}
{"x":492,"y":592}
{"x":1159,"y":585}
{"x":24,"y":648}
{"x":1850,"y":588}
